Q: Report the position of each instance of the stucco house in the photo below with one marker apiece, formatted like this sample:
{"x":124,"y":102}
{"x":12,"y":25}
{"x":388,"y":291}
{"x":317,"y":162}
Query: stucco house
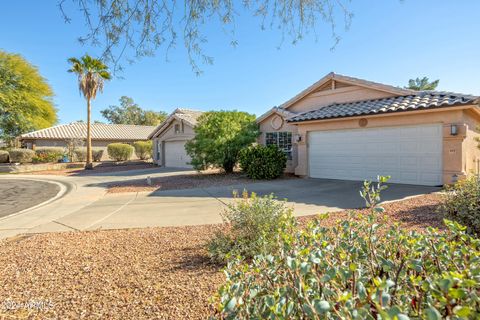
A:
{"x":102,"y":135}
{"x":169,"y":138}
{"x":347,"y":128}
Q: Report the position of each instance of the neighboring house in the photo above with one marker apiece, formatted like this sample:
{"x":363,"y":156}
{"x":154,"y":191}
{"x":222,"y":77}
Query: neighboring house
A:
{"x":347,"y":128}
{"x":169,"y":138}
{"x":102,"y":135}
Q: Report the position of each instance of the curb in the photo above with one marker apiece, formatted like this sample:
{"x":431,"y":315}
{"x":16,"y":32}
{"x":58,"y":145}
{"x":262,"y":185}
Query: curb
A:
{"x":65,"y":188}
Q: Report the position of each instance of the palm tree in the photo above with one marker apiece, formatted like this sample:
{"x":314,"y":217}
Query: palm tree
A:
{"x":92,"y":74}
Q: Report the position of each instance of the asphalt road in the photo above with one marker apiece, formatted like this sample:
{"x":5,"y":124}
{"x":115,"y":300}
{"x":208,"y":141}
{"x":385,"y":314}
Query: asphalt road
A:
{"x":17,"y":195}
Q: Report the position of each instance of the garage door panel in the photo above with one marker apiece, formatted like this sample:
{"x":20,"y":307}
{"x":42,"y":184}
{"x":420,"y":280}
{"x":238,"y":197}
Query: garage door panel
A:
{"x":408,"y":154}
{"x":175,"y":155}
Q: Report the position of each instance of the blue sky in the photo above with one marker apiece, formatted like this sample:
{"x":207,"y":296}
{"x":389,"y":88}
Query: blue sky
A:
{"x":389,"y":41}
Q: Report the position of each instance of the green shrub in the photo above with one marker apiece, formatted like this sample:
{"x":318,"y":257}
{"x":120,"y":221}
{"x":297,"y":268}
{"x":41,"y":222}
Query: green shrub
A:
{"x":119,"y":151}
{"x":80,"y":154}
{"x":143,"y":149}
{"x":250,"y":227}
{"x":263,"y":162}
{"x":44,"y":155}
{"x":97,"y":155}
{"x":4,"y":156}
{"x":358,"y":270}
{"x":461,"y":203}
{"x":21,"y":155}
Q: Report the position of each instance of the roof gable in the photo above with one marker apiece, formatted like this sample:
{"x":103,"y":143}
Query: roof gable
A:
{"x":335,"y":82}
{"x":189,"y":117}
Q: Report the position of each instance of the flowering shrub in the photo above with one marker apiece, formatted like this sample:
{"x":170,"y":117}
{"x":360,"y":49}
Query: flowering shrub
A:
{"x":358,"y":269}
{"x":461,"y":202}
{"x":44,"y":155}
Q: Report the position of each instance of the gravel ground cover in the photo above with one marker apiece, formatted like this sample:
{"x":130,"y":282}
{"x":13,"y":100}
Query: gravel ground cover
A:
{"x":154,"y":273}
{"x":203,"y":179}
{"x":99,"y":168}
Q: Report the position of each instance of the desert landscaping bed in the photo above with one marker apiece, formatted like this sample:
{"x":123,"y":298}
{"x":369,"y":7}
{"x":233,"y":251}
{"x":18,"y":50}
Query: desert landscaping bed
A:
{"x":98,"y":168}
{"x":187,"y":180}
{"x":161,"y":273}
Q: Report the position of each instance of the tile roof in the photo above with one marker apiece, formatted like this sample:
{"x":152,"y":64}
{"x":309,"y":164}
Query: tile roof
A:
{"x":100,"y":131}
{"x":419,"y":100}
{"x":187,"y":115}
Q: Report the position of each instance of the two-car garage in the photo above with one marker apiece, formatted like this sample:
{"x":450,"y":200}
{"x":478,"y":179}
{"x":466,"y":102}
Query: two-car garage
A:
{"x":409,"y":154}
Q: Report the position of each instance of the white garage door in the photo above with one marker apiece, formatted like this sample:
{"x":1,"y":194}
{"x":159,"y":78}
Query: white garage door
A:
{"x":410,"y":154}
{"x":175,"y":155}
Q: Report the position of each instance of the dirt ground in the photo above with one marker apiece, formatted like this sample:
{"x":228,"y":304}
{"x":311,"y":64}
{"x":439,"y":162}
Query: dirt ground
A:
{"x":154,"y":273}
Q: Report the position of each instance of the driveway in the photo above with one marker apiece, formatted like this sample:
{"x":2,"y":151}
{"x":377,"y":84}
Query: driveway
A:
{"x":89,"y":207}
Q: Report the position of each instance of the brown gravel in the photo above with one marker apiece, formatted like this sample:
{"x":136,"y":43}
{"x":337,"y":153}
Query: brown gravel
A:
{"x":99,"y":168}
{"x":155,"y":273}
{"x":190,"y":180}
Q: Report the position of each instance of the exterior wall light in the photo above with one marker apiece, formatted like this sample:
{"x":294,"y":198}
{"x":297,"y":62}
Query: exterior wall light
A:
{"x":453,"y":129}
{"x":298,"y":138}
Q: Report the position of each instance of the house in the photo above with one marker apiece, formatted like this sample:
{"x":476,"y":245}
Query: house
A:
{"x":102,"y":135}
{"x":347,"y":128}
{"x":169,"y":138}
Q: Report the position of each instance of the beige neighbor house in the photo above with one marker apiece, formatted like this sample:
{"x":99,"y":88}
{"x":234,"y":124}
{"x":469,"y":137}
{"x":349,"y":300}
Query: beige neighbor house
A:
{"x":347,"y":128}
{"x":102,"y":135}
{"x":169,"y":138}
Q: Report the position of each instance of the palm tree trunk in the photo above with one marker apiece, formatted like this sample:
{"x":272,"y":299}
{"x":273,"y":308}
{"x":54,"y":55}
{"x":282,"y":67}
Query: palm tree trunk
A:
{"x":89,"y":164}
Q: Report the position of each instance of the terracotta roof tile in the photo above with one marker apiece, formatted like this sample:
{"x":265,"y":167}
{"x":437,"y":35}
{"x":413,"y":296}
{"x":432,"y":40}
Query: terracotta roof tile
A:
{"x":421,"y":100}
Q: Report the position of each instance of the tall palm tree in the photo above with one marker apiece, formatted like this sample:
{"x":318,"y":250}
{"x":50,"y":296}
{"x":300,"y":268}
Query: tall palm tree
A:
{"x":92,"y":74}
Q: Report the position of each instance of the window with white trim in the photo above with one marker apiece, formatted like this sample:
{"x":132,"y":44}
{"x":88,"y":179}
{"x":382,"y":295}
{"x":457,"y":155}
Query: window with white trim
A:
{"x":283,"y":140}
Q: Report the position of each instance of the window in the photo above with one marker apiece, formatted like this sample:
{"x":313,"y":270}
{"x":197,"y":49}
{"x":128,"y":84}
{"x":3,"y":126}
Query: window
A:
{"x":177,"y":128}
{"x":283,"y":140}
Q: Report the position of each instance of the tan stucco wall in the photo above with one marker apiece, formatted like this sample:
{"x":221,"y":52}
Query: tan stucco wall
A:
{"x":96,"y":144}
{"x":169,"y":134}
{"x":471,"y":155}
{"x":458,"y":151}
{"x":266,"y":126}
{"x":346,"y":94}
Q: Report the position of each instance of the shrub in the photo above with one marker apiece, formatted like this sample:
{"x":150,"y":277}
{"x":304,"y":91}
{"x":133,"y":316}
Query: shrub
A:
{"x":461,"y":203}
{"x":143,"y":149}
{"x":80,"y":154}
{"x":119,"y":151}
{"x":263,"y":162}
{"x":97,"y":155}
{"x":44,"y":155}
{"x":21,"y":155}
{"x":251,"y":225}
{"x":4,"y":156}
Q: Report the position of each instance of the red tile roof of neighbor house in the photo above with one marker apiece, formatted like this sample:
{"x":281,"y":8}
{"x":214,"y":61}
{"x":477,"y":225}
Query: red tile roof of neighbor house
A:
{"x":417,"y":101}
{"x":100,"y":131}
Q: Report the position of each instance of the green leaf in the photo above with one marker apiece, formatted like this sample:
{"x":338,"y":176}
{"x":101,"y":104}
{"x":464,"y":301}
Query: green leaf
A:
{"x":321,"y":306}
{"x":231,"y":304}
{"x":432,"y":314}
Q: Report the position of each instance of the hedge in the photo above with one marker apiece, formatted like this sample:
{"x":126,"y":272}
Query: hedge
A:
{"x":44,"y":155}
{"x":21,"y":155}
{"x":4,"y":156}
{"x":120,"y":151}
{"x":263,"y":162}
{"x":143,"y":149}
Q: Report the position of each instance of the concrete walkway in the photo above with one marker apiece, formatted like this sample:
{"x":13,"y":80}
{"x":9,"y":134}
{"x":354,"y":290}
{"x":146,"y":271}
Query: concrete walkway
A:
{"x":88,"y":207}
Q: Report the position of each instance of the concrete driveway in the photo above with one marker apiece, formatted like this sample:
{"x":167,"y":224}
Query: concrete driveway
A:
{"x":88,"y":207}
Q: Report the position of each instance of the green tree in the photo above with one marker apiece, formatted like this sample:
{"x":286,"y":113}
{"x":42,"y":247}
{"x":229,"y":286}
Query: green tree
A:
{"x":130,"y":113}
{"x":92,"y":74}
{"x":422,"y":84}
{"x":219,"y":138}
{"x":25,"y":98}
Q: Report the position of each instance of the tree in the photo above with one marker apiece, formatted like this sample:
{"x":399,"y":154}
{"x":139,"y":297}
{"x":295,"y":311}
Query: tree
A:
{"x":25,"y":98}
{"x":422,"y":84}
{"x":92,"y":74}
{"x":130,"y":113}
{"x":137,"y":28}
{"x":219,"y":138}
